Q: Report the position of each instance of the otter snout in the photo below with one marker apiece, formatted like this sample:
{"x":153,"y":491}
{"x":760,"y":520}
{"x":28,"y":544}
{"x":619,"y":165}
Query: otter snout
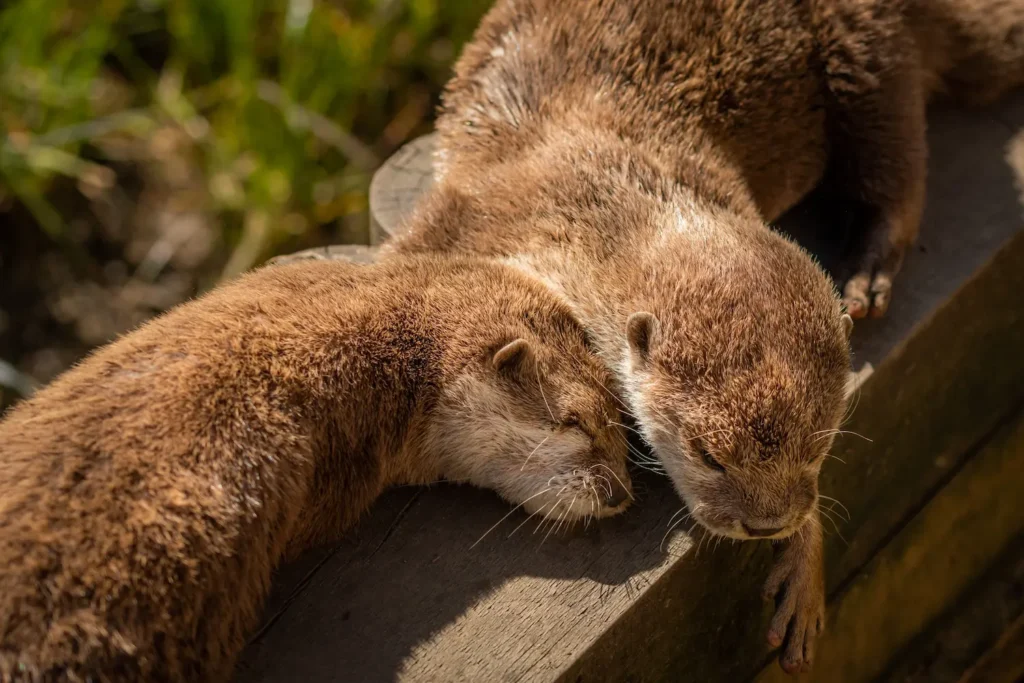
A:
{"x":617,"y":496}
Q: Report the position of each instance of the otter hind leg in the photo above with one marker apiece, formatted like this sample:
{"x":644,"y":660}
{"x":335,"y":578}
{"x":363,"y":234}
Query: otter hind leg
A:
{"x":880,"y":163}
{"x":878,"y":154}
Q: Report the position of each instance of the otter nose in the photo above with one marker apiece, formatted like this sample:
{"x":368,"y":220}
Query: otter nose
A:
{"x":618,"y":495}
{"x":761,"y":532}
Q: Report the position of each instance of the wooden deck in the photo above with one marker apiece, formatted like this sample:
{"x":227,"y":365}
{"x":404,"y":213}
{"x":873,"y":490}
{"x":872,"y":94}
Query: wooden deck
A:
{"x":933,"y":503}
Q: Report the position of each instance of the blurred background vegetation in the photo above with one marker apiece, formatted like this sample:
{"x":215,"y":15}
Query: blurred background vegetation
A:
{"x":153,"y":147}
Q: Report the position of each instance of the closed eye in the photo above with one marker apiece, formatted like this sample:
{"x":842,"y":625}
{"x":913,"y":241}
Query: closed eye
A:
{"x":711,"y":461}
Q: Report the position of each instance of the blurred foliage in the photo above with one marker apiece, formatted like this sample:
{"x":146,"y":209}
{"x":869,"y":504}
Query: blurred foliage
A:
{"x":151,"y":147}
{"x":287,"y":105}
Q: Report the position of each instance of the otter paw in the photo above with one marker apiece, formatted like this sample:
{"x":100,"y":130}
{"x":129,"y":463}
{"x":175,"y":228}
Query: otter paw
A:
{"x":799,"y":595}
{"x":867,"y":294}
{"x":869,"y":290}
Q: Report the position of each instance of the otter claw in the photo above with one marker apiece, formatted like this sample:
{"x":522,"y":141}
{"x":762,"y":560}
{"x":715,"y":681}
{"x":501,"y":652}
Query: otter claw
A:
{"x":869,"y":291}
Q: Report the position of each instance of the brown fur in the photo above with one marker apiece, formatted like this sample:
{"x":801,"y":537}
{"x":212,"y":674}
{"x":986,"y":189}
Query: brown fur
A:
{"x":748,"y":103}
{"x":146,"y":495}
{"x":629,"y":153}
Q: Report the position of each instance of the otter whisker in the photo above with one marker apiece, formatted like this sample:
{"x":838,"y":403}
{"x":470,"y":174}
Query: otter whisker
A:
{"x":531,"y":516}
{"x":851,"y":407}
{"x":643,"y":457}
{"x":546,"y":405}
{"x":835,"y":457}
{"x":836,"y":501}
{"x":660,"y":414}
{"x":705,"y":535}
{"x":713,"y":431}
{"x":661,"y":547}
{"x":554,"y":526}
{"x":593,"y":507}
{"x":611,"y":472}
{"x":624,"y":408}
{"x":509,"y":514}
{"x":536,"y":448}
{"x":554,"y":507}
{"x":676,"y":514}
{"x":606,"y":484}
{"x":835,"y":526}
{"x":569,"y":521}
{"x":840,"y":432}
{"x":648,"y":468}
{"x":619,"y":424}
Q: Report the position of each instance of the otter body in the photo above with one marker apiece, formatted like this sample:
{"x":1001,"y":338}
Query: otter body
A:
{"x":147,"y":494}
{"x":751,"y":104}
{"x":629,"y":154}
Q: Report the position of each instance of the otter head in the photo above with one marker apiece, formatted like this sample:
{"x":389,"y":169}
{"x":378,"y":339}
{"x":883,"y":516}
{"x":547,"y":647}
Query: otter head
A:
{"x":530,"y":417}
{"x":739,"y":388}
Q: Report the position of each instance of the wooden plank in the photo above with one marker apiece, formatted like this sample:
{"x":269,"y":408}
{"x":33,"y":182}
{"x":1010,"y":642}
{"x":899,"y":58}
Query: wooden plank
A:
{"x":1005,"y":662}
{"x":933,"y":559}
{"x":417,"y":602}
{"x":353,"y":253}
{"x":396,"y":186}
{"x":975,"y":629}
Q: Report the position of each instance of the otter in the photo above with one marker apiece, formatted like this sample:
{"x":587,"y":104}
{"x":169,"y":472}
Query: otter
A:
{"x":631,"y":155}
{"x":147,"y":494}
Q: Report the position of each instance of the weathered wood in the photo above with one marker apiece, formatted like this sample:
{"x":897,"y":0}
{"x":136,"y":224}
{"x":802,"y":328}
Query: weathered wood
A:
{"x":955,"y":537}
{"x":353,"y":253}
{"x":1004,"y":663}
{"x":396,"y":186}
{"x":972,"y":632}
{"x":409,"y":598}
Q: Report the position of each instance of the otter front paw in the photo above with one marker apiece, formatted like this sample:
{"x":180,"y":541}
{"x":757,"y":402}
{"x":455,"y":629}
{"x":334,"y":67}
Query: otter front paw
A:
{"x":797,"y":585}
{"x":871,"y":268}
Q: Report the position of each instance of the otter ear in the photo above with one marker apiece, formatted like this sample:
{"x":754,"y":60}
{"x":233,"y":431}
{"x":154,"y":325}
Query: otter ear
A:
{"x":640,"y":330}
{"x":513,"y":357}
{"x":847,"y":325}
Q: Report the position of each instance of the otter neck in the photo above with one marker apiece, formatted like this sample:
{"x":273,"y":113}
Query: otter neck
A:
{"x":365,"y":413}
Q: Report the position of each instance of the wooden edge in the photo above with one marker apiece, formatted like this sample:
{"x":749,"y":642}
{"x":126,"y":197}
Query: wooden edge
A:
{"x":1004,"y":663}
{"x":353,"y":253}
{"x":954,"y":538}
{"x":398,"y":184}
{"x":972,"y":631}
{"x":951,"y":384}
{"x":936,"y":396}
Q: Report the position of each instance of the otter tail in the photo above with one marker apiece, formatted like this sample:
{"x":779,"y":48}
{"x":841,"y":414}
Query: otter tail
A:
{"x":972,"y":50}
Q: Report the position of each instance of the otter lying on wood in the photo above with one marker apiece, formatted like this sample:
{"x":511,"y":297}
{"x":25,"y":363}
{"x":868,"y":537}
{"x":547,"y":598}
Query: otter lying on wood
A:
{"x":147,"y":494}
{"x":630,"y":154}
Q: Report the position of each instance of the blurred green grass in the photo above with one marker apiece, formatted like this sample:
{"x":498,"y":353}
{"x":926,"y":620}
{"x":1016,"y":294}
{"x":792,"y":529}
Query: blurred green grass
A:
{"x":153,"y":147}
{"x":286,"y":105}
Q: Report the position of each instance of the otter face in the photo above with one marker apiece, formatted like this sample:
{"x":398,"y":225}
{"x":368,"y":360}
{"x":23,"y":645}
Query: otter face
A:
{"x":741,"y":425}
{"x":531,"y":420}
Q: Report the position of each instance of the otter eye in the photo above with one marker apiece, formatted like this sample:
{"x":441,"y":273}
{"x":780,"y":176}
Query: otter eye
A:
{"x":711,"y":462}
{"x":571,"y":420}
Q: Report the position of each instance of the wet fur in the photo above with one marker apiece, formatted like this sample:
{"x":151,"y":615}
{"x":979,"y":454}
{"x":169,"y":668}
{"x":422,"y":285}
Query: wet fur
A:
{"x":147,"y":494}
{"x":629,"y":154}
